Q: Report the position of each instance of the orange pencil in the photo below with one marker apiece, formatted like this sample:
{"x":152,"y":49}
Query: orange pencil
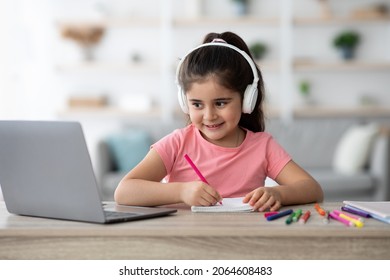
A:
{"x":320,"y":211}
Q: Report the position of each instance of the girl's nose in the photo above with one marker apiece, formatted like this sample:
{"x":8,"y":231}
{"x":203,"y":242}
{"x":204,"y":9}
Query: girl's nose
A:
{"x":209,"y":113}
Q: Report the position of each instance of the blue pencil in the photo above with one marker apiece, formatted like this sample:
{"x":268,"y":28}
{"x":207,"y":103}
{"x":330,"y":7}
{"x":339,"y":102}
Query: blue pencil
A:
{"x":279,"y":215}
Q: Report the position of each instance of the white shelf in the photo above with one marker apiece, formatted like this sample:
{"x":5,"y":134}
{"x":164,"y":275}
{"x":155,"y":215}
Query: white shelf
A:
{"x":268,"y":65}
{"x":107,"y":113}
{"x":112,"y":22}
{"x":97,"y":67}
{"x":309,"y":21}
{"x":309,"y":65}
{"x":232,"y":21}
{"x":303,"y":65}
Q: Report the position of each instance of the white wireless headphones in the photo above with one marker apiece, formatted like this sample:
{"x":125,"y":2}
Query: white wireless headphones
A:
{"x":250,"y":94}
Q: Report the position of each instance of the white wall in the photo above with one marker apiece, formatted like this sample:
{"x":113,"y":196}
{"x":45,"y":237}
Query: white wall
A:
{"x":30,"y":86}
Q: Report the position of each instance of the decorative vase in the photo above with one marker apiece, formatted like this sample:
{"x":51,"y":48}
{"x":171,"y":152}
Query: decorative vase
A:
{"x":347,"y":53}
{"x":240,"y":8}
{"x":87,"y":53}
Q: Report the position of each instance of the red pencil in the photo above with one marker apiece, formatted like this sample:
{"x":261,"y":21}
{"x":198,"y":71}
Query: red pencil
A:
{"x":266,"y":214}
{"x":303,"y":219}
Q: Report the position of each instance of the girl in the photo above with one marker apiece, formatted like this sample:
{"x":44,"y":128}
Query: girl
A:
{"x":222,"y":91}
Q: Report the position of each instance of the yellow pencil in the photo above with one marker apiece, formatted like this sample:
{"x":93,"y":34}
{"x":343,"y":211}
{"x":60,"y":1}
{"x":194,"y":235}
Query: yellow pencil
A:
{"x":357,"y":223}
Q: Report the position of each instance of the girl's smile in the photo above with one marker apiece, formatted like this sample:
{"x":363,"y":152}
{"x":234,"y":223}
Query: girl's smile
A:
{"x":214,"y":126}
{"x":216,"y":111}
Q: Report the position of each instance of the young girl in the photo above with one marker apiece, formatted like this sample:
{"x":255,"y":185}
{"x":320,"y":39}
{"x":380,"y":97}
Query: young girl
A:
{"x":221,"y":89}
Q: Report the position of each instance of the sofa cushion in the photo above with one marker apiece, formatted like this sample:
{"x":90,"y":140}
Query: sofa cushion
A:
{"x":353,"y":150}
{"x":128,"y":148}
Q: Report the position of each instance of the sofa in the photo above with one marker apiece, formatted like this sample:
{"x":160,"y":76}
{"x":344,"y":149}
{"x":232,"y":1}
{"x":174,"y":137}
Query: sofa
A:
{"x":319,"y":144}
{"x":132,"y":142}
{"x":312,"y":143}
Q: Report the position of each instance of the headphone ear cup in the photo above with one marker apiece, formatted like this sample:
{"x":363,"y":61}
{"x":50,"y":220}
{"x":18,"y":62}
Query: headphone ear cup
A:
{"x":181,"y":96}
{"x":250,"y":98}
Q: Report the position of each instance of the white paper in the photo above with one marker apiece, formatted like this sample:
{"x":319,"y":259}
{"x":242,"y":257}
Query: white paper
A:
{"x":228,"y":205}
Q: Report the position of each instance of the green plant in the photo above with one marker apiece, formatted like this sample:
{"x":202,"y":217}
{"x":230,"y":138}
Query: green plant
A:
{"x":304,"y":88}
{"x":346,"y":39}
{"x":346,"y":42}
{"x":258,"y":50}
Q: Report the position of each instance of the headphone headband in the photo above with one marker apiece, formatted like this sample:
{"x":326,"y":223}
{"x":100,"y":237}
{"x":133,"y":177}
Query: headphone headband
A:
{"x":250,"y":95}
{"x":216,"y":43}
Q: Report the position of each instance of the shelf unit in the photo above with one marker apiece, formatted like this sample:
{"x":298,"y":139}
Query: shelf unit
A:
{"x":108,"y":67}
{"x":337,"y":20}
{"x":285,"y":66}
{"x":210,"y":21}
{"x":354,"y":65}
{"x":108,"y":112}
{"x":103,"y":68}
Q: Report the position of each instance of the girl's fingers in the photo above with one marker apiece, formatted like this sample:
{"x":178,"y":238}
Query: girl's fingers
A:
{"x":256,"y":197}
{"x":267,"y":204}
{"x":276,"y":206}
{"x":211,"y":195}
{"x":262,"y":200}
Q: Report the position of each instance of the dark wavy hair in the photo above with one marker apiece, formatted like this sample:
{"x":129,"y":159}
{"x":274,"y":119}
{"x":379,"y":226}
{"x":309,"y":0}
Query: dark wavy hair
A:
{"x":231,"y":71}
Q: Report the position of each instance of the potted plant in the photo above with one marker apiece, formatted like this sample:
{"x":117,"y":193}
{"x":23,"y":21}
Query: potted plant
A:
{"x":347,"y":42}
{"x":258,"y":50}
{"x":304,"y":89}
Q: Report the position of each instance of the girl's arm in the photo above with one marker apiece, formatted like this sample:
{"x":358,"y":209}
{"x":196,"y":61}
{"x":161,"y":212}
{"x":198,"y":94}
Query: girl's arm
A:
{"x":296,"y":186}
{"x":142,"y":186}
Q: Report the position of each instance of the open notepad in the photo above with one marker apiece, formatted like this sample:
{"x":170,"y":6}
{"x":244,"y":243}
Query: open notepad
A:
{"x":228,"y":205}
{"x":380,"y":208}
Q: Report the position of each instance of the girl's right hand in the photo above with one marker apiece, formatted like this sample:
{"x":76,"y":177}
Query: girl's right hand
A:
{"x":199,"y":194}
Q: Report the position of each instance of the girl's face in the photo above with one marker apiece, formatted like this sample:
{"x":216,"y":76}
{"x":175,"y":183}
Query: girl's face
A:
{"x":215,"y":111}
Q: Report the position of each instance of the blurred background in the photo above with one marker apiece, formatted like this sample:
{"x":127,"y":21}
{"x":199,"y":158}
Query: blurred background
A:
{"x":110,"y":64}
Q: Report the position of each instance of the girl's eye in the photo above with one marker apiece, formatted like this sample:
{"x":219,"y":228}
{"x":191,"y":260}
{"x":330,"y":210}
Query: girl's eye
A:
{"x":197,"y":105}
{"x":220,"y":103}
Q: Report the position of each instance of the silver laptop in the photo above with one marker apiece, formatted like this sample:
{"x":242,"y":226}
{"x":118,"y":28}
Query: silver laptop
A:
{"x":46,"y":171}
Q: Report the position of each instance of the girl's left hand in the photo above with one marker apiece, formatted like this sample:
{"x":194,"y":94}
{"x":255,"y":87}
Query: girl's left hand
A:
{"x":264,"y":198}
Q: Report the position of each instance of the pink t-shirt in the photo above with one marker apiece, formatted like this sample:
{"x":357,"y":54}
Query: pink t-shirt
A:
{"x":233,"y":172}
